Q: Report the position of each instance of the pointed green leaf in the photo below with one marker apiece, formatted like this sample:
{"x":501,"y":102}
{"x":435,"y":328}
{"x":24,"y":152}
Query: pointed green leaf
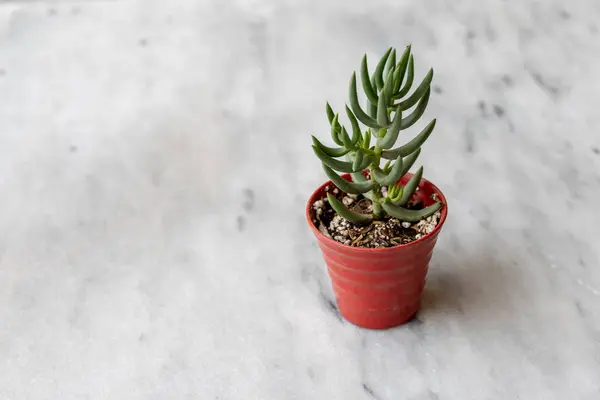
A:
{"x":411,"y":146}
{"x":409,"y":79}
{"x":372,"y":110}
{"x":386,"y":167}
{"x":392,"y":177}
{"x":391,"y":191}
{"x":330,"y":113}
{"x":356,"y":135}
{"x":366,"y":160}
{"x":378,"y":75}
{"x":334,"y":122}
{"x":358,"y":159}
{"x":330,"y":151}
{"x":367,"y":141}
{"x":337,"y":165}
{"x":346,"y":139}
{"x":401,"y":69}
{"x":416,"y":114}
{"x":391,"y":63}
{"x":334,"y":127}
{"x":407,"y":215}
{"x":347,"y":214}
{"x":398,"y":191}
{"x":388,"y":87}
{"x":366,"y":82}
{"x":409,"y":161}
{"x":410,"y":187}
{"x":392,"y":134}
{"x":360,"y":140}
{"x":377,"y":175}
{"x":358,"y":177}
{"x":358,"y":111}
{"x":382,"y":117}
{"x":418,"y":93}
{"x":344,"y":185}
{"x":372,"y":107}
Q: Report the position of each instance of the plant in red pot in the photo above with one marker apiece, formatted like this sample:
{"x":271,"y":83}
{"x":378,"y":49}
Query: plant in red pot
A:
{"x":377,"y":224}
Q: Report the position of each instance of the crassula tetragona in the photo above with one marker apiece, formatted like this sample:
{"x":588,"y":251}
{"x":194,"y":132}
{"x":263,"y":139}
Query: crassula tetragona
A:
{"x":388,"y":112}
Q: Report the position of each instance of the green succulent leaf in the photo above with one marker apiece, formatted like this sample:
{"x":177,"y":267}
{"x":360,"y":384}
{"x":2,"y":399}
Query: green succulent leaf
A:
{"x":391,"y":177}
{"x":367,"y":140}
{"x":358,"y":159}
{"x":372,"y":107}
{"x":391,"y":63}
{"x":386,"y":167}
{"x":354,"y":104}
{"x":409,"y":161}
{"x":390,"y":191}
{"x":372,"y":110}
{"x":401,"y":69}
{"x":377,"y":174}
{"x":360,"y":140}
{"x":344,"y":185}
{"x":356,"y":135}
{"x":334,"y":122}
{"x":378,"y":75}
{"x":337,"y":165}
{"x":358,"y":177}
{"x":382,"y":116}
{"x":418,"y":93}
{"x":366,"y":160}
{"x":330,"y":113}
{"x":411,"y":187}
{"x":335,"y":128}
{"x":391,"y":136}
{"x":407,"y":215}
{"x":397,"y":193}
{"x":388,"y":87}
{"x":347,"y":214}
{"x":366,"y":82}
{"x":411,"y":146}
{"x":409,"y":79}
{"x":346,"y":139}
{"x":416,"y":114}
{"x":330,"y":151}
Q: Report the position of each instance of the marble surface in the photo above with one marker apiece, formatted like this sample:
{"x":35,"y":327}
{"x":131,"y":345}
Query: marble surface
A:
{"x":154,"y":166}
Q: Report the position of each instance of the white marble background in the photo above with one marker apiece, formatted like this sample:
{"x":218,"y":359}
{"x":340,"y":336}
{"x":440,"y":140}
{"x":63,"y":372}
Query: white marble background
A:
{"x":154,"y":166}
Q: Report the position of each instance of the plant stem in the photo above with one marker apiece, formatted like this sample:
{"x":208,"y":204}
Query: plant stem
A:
{"x":377,"y":198}
{"x":377,"y":209}
{"x":376,"y":201}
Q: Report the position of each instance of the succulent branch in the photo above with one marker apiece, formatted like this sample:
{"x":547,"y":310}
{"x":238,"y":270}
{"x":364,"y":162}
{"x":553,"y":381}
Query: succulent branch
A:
{"x":387,"y":98}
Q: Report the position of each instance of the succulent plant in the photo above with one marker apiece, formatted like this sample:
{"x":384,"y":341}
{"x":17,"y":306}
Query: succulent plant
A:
{"x":387,"y":103}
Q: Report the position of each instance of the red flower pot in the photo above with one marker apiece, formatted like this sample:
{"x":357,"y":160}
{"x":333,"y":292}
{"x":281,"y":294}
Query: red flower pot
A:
{"x":379,"y":288}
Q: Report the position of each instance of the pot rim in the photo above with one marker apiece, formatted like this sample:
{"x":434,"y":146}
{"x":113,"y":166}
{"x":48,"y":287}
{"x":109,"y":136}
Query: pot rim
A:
{"x":335,"y":243}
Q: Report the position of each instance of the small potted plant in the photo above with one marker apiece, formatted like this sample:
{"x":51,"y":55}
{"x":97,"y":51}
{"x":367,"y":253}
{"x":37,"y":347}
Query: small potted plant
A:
{"x":377,"y":223}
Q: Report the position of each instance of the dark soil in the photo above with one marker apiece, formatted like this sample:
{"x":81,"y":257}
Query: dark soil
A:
{"x":387,"y":232}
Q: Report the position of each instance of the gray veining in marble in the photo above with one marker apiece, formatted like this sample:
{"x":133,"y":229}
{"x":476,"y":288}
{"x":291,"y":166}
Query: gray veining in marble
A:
{"x":154,"y":166}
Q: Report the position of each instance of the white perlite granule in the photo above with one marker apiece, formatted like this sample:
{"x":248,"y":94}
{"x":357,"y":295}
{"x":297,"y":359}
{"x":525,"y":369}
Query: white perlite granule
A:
{"x":347,"y":200}
{"x":427,"y":225}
